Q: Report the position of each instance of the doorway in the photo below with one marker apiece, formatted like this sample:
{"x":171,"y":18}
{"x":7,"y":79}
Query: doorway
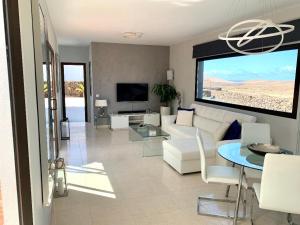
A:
{"x":74,"y":97}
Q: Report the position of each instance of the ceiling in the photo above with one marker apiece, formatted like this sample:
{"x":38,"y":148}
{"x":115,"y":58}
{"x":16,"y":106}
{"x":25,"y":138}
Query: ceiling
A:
{"x":163,"y":22}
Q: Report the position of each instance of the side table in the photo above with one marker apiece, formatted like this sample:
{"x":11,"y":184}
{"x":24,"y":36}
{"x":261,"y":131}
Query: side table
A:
{"x":99,"y":118}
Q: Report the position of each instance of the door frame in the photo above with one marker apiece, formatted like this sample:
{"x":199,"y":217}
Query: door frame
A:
{"x":18,"y":110}
{"x":53,"y":90}
{"x":63,"y":87}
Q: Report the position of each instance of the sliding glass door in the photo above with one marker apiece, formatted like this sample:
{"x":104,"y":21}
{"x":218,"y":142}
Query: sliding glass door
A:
{"x":74,"y":91}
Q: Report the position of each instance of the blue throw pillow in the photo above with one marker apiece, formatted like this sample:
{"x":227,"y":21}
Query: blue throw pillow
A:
{"x":234,"y":131}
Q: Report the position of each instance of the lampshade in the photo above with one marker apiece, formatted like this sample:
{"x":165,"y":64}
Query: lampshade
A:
{"x":170,"y":75}
{"x":101,"y":103}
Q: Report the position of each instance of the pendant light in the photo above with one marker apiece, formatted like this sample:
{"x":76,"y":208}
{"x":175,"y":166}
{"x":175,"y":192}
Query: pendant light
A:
{"x":244,"y":32}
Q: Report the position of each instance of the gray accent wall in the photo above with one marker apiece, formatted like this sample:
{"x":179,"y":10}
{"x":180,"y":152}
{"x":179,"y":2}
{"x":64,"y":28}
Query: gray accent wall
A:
{"x":126,"y":63}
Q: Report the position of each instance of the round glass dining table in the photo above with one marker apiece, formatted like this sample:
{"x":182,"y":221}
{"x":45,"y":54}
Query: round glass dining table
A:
{"x":243,"y":157}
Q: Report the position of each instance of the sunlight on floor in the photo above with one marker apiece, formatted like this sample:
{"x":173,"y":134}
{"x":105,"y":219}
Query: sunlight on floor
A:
{"x":90,"y":178}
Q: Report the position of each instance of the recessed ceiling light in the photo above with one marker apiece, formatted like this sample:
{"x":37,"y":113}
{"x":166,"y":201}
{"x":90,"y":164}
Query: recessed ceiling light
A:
{"x":132,"y":35}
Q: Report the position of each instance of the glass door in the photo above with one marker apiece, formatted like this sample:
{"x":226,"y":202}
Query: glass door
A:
{"x":53,"y":100}
{"x":74,"y":96}
{"x":49,"y":150}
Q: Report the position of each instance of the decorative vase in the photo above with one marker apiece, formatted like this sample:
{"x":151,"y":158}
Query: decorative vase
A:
{"x":60,"y":186}
{"x":165,"y":110}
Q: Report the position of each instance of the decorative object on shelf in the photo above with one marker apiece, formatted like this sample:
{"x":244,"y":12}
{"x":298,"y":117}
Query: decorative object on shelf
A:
{"x":167,"y":93}
{"x":65,"y":129}
{"x":101,"y":104}
{"x":60,"y":179}
{"x":152,"y":132}
{"x":263,"y":149}
{"x":60,"y":186}
{"x":247,"y":31}
{"x":59,"y":163}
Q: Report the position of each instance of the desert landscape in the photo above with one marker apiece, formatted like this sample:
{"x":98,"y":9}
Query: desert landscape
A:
{"x":265,"y":94}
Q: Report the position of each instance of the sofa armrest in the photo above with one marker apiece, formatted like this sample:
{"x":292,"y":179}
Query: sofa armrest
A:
{"x":167,"y":120}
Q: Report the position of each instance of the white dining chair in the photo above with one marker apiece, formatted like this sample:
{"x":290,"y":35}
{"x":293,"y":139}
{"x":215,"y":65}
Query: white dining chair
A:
{"x":255,"y":133}
{"x":279,"y":189}
{"x":218,"y":174}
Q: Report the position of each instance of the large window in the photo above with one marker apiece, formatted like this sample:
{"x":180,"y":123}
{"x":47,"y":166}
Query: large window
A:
{"x":266,"y":83}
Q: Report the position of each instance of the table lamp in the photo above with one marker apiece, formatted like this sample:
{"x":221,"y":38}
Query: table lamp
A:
{"x":101,"y":103}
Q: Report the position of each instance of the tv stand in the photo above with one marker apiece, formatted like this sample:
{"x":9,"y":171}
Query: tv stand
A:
{"x":124,"y":120}
{"x":133,"y":111}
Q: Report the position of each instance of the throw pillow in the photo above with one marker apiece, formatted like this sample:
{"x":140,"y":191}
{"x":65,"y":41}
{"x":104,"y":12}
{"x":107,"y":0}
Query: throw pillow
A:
{"x":185,"y":109}
{"x":184,"y":118}
{"x":234,"y":131}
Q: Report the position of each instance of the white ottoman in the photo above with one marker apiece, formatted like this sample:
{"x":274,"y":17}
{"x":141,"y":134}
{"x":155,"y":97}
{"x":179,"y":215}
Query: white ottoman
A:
{"x":184,"y":155}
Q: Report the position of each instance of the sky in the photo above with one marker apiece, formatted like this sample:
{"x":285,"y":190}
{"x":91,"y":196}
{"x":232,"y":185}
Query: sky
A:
{"x":71,"y":72}
{"x":279,"y":65}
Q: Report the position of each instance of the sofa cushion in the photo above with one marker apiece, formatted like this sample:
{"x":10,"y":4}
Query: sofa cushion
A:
{"x":187,"y":149}
{"x":216,"y":128}
{"x":221,"y":115}
{"x":206,"y":124}
{"x":184,"y":118}
{"x":177,"y":131}
{"x":220,"y":132}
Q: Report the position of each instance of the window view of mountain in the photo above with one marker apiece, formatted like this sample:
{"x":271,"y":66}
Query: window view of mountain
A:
{"x":264,"y":81}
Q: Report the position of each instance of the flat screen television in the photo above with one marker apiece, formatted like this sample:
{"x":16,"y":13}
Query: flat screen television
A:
{"x":132,"y":92}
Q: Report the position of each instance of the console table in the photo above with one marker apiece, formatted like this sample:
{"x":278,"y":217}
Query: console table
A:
{"x":123,"y":121}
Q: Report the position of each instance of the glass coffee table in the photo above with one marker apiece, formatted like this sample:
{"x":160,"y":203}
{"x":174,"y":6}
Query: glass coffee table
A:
{"x":150,"y":136}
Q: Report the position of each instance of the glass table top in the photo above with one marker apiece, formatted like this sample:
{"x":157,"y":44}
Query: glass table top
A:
{"x":147,"y":132}
{"x":242,"y":156}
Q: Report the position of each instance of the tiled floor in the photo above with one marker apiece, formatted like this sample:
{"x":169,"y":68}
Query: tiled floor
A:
{"x":111,"y":183}
{"x":1,"y":209}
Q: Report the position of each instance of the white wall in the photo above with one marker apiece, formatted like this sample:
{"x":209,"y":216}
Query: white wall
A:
{"x":7,"y":161}
{"x":78,"y":54}
{"x":284,"y":130}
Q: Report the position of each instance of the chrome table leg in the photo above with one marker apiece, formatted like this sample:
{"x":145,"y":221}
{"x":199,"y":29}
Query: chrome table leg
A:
{"x":239,"y":196}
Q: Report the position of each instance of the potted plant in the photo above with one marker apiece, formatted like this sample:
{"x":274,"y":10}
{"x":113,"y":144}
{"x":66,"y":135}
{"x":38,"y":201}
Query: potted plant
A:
{"x":167,"y":93}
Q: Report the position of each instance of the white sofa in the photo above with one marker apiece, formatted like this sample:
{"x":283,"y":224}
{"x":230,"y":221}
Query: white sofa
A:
{"x":181,"y":150}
